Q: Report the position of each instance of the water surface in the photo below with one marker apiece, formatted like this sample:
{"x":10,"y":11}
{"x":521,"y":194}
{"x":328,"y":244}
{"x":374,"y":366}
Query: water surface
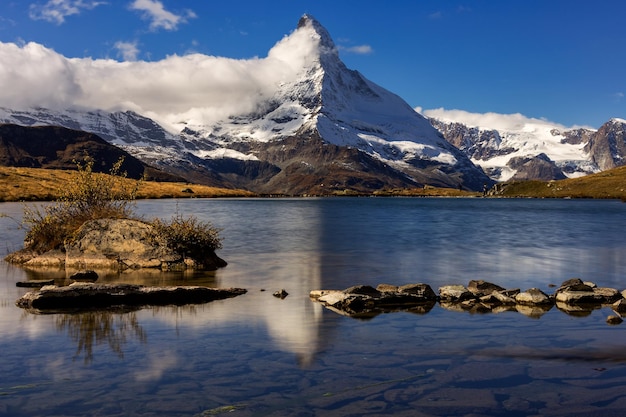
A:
{"x":258,"y":355}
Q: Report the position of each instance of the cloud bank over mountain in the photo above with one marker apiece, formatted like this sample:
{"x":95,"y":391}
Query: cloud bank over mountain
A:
{"x":194,"y":87}
{"x":490,"y":120}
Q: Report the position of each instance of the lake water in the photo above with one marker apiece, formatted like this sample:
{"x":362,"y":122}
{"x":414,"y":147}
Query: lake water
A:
{"x":259,"y":355}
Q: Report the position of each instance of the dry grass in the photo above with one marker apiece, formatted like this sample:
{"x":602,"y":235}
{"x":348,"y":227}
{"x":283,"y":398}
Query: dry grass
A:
{"x":34,"y":184}
{"x":426,"y":191}
{"x":607,"y":184}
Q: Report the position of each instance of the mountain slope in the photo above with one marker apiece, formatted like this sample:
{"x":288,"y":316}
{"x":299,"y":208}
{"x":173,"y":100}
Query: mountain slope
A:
{"x":56,"y":147}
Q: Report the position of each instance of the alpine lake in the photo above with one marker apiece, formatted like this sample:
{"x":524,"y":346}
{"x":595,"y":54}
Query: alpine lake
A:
{"x":262,"y":355}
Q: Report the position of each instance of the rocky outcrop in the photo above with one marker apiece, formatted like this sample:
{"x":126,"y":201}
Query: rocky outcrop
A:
{"x":573,"y":297}
{"x":538,"y":167}
{"x":81,"y":296}
{"x":117,"y":244}
{"x":607,"y":147}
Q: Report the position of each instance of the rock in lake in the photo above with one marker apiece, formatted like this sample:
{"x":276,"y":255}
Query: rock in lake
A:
{"x":575,"y":291}
{"x":533,"y":296}
{"x":80,"y":295}
{"x":117,"y":244}
{"x":365,"y":301}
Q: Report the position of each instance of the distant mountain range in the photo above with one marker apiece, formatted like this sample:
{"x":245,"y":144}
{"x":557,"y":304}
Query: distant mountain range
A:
{"x":539,"y":151}
{"x":329,"y":129}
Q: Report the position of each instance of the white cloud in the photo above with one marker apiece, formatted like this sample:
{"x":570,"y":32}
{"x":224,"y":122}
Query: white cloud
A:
{"x":56,"y":11}
{"x":618,"y":97}
{"x":359,"y":49}
{"x":127,"y":50}
{"x":33,"y":73}
{"x":194,"y":87}
{"x":498,"y":121}
{"x":160,"y":18}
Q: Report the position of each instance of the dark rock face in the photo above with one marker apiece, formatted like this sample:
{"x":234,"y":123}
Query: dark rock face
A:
{"x":82,"y":296}
{"x":607,"y":146}
{"x":538,"y":167}
{"x":55,"y":147}
{"x":475,"y":143}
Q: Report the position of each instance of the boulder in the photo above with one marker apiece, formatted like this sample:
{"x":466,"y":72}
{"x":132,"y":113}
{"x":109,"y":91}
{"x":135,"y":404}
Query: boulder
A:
{"x":533,"y":296}
{"x":480,"y":288}
{"x":81,"y":295}
{"x":455,"y":293}
{"x":619,"y":306}
{"x":598,"y":295}
{"x":84,"y":276}
{"x":498,"y":298}
{"x":423,"y":291}
{"x":281,"y":294}
{"x":575,"y":284}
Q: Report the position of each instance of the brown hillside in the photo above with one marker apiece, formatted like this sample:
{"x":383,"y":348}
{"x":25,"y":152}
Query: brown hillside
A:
{"x":37,"y":184}
{"x":54,"y":147}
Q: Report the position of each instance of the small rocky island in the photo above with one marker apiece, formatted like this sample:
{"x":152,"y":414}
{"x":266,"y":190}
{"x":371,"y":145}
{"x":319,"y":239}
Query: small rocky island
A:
{"x":573,"y":297}
{"x":117,"y":244}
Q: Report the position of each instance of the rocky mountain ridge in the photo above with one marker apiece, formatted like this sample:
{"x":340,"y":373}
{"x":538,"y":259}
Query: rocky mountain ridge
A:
{"x":539,"y":151}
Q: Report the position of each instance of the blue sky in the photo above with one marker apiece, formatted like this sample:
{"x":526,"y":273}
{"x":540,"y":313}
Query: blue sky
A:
{"x":563,"y":61}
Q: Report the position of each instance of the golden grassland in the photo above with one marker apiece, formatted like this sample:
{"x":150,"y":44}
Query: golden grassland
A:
{"x":35,"y":184}
{"x":610,"y":184}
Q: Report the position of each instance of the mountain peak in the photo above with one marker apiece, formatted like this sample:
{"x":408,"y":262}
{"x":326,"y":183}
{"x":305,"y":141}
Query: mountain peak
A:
{"x":326,"y":44}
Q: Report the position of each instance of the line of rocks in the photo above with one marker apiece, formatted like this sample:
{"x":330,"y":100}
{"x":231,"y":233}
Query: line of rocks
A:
{"x":573,"y":297}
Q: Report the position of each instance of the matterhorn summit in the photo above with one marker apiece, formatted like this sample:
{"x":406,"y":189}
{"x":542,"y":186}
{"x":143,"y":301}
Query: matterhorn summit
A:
{"x":329,"y":128}
{"x":297,"y":122}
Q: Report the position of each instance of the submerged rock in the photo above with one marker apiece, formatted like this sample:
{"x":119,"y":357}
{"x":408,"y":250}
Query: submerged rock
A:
{"x":35,"y":283}
{"x":80,"y":295}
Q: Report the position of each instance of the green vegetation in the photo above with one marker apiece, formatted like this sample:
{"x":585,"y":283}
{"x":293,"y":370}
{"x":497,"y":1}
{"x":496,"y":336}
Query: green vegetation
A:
{"x":91,"y":196}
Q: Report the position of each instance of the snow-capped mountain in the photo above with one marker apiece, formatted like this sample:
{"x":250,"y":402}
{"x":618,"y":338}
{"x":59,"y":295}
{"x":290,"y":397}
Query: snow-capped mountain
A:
{"x":325,"y":129}
{"x":535,"y":149}
{"x":329,"y":105}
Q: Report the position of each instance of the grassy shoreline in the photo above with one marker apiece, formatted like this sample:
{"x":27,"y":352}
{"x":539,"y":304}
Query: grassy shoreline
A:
{"x":37,"y":184}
